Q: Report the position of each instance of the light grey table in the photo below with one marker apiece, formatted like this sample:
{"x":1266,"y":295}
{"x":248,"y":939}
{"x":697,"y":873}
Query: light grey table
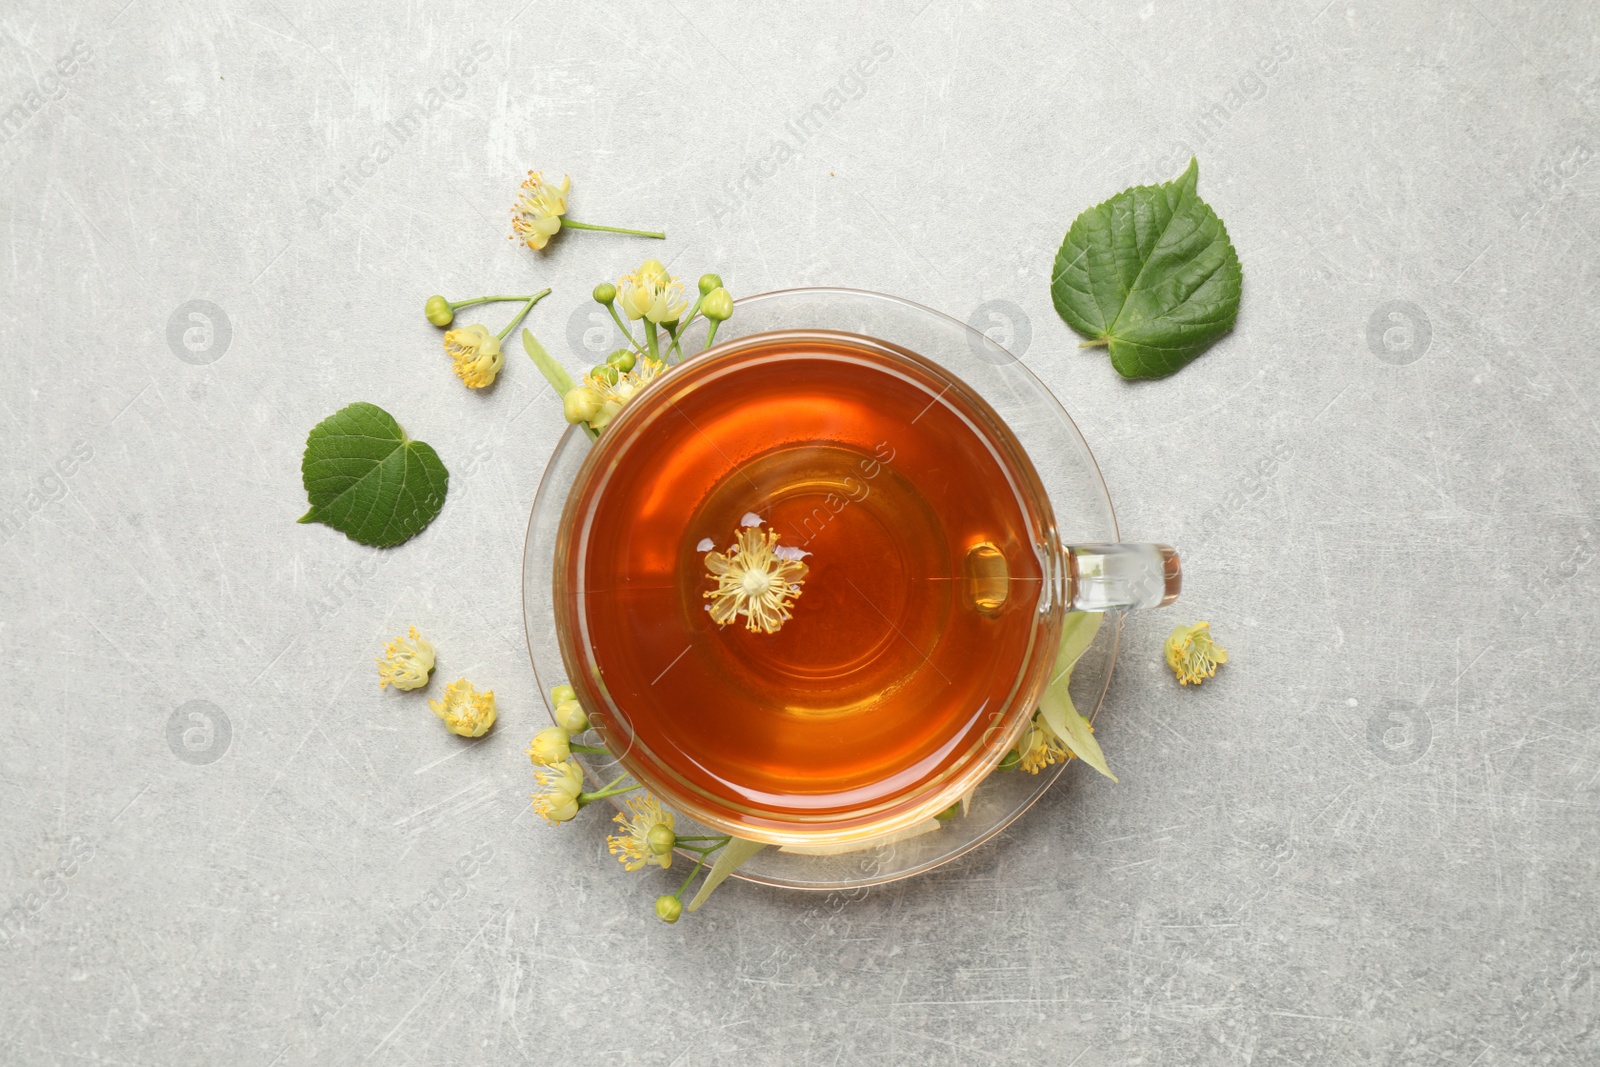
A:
{"x":1371,"y":839}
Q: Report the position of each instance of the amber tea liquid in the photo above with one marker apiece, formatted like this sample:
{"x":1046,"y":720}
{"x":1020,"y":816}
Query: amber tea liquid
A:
{"x":912,"y":626}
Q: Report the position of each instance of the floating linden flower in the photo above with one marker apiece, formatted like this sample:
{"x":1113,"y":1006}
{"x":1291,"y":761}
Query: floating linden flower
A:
{"x":754,"y":581}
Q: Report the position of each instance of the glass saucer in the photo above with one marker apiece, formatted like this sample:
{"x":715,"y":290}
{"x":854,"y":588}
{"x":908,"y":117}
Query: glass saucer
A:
{"x":1083,"y":514}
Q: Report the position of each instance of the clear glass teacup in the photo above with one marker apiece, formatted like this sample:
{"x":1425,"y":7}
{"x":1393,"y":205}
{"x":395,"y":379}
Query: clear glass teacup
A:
{"x":809,"y":584}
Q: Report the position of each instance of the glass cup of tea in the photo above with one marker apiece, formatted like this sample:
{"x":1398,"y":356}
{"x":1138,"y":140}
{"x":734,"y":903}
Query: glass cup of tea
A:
{"x":809,"y":586}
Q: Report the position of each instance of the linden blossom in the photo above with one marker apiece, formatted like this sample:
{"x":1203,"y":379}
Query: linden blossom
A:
{"x":755,"y":578}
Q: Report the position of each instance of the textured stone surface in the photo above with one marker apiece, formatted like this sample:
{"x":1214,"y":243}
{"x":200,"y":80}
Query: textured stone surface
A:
{"x":1371,"y":839}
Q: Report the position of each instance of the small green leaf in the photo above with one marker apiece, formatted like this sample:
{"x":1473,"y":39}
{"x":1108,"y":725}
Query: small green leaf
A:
{"x":368,"y":480}
{"x":1150,"y":273}
{"x":734,"y":853}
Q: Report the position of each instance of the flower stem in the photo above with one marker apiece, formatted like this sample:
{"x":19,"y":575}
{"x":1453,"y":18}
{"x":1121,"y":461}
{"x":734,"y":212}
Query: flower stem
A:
{"x":650,"y":339}
{"x":610,"y":790}
{"x":576,"y":225}
{"x":489,"y":300}
{"x":683,"y":328}
{"x":532,"y":300}
{"x":589,"y":798}
{"x":623,"y":327}
{"x":595,"y":749}
{"x":711,"y":332}
{"x":700,"y":863}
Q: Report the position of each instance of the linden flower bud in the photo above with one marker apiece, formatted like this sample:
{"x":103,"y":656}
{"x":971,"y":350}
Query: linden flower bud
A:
{"x":476,"y":355}
{"x":406,"y":663}
{"x":709,"y":282}
{"x":550,"y":746}
{"x":563,"y":692}
{"x":668,"y":909}
{"x":660,"y":839}
{"x":570,"y":715}
{"x":536,"y":216}
{"x":465,"y":711}
{"x":651,"y":293}
{"x":438,"y":311}
{"x":605,"y":293}
{"x":560,"y":788}
{"x":604,"y":372}
{"x":621,"y":359}
{"x":580,"y":404}
{"x":717,"y":305}
{"x":1192,"y":655}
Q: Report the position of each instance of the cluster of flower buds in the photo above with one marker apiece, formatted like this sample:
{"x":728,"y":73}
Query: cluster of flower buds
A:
{"x":647,"y":834}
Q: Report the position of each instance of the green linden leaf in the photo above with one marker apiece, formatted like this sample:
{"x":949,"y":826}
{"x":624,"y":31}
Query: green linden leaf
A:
{"x":368,"y":480}
{"x":1150,"y":273}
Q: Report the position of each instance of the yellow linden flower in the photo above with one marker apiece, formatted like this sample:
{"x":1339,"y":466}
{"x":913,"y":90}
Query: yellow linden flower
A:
{"x":1192,"y":655}
{"x":536,"y":216}
{"x":465,"y":711}
{"x":651,"y":293}
{"x":406,"y":663}
{"x":614,"y":395}
{"x":756,"y":580}
{"x":550,"y":746}
{"x":561,"y":786}
{"x":476,"y":353}
{"x":647,"y":836}
{"x":1039,"y":747}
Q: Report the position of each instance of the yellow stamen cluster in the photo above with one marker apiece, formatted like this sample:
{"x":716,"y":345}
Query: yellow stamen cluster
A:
{"x":647,"y":837}
{"x":475,"y":353}
{"x":536,"y":216}
{"x":1039,"y":747}
{"x":406,"y":663}
{"x":651,"y":293}
{"x":561,"y":787}
{"x":598,"y":399}
{"x":1192,"y":654}
{"x":465,"y":711}
{"x":754,"y":581}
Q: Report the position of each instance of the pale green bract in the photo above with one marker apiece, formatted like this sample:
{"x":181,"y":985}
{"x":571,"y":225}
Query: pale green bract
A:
{"x":734,"y":853}
{"x":1055,"y":704}
{"x":1151,"y":274}
{"x":368,"y":480}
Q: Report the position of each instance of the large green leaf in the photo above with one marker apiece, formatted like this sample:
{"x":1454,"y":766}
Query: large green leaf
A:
{"x":1150,"y":273}
{"x":368,"y":480}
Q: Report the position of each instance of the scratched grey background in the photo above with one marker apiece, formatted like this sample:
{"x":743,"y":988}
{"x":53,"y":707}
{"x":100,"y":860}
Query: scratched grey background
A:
{"x":1371,"y":839}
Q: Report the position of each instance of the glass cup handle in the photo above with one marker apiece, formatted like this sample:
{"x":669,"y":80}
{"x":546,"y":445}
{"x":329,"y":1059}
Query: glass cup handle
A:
{"x":1122,"y":576}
